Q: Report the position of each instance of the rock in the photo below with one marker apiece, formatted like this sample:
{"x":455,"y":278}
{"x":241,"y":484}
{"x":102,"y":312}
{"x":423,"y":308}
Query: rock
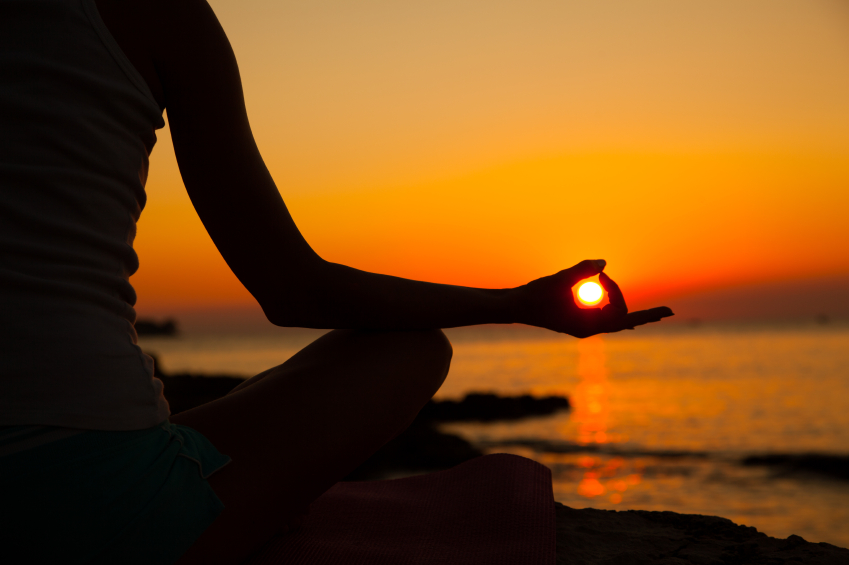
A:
{"x":419,"y":448}
{"x":490,"y":407}
{"x":834,"y":466}
{"x":422,"y":447}
{"x":637,"y":537}
{"x":149,"y":327}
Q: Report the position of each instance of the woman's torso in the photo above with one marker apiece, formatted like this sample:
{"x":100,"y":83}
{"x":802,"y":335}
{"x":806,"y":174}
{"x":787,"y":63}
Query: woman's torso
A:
{"x":78,"y":123}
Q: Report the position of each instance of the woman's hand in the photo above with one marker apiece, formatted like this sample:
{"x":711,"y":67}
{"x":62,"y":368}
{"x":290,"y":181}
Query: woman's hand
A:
{"x":549,"y":303}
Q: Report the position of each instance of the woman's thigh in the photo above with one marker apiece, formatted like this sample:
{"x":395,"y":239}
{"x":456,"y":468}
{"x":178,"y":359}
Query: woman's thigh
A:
{"x":295,"y":430}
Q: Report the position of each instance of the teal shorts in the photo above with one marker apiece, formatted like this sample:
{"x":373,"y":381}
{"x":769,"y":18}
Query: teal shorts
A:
{"x":106,"y":496}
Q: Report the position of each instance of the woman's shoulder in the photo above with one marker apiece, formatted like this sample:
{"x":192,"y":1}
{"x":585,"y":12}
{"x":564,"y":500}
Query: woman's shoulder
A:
{"x":133,"y":25}
{"x":153,"y":33}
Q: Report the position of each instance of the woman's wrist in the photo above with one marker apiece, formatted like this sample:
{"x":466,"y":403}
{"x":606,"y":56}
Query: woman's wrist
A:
{"x":513,"y":307}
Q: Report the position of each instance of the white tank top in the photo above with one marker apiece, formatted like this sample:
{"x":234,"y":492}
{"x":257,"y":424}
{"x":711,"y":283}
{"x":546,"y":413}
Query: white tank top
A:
{"x":77,"y":123}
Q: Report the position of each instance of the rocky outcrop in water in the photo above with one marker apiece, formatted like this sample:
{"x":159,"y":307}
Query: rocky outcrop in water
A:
{"x":422,"y":447}
{"x":167,"y":328}
{"x":478,"y":407}
{"x":834,"y":466}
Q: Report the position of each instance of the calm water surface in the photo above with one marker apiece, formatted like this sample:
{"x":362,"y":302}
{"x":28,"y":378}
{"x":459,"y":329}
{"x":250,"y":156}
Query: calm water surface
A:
{"x":661,"y":417}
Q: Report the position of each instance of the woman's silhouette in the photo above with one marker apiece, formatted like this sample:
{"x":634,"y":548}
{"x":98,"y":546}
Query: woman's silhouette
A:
{"x":84,"y":84}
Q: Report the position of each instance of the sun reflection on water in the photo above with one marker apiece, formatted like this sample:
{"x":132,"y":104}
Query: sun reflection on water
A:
{"x":591,"y":413}
{"x":590,"y":403}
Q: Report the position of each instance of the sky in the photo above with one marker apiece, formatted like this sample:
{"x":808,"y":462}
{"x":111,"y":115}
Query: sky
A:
{"x":697,"y":146}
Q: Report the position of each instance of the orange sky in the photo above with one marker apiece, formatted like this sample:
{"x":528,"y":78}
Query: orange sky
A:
{"x":694,"y":145}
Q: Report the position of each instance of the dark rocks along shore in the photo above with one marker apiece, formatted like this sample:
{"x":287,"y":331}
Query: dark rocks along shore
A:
{"x":639,"y":537}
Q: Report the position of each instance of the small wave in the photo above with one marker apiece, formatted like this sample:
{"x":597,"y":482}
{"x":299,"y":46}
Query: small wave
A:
{"x":547,"y":446}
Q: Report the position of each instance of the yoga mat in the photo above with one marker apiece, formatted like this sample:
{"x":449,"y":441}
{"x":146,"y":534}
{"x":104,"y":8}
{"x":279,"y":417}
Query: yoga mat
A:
{"x":496,"y":509}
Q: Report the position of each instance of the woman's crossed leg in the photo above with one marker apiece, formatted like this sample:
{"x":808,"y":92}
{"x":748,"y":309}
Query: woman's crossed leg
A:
{"x":295,"y":430}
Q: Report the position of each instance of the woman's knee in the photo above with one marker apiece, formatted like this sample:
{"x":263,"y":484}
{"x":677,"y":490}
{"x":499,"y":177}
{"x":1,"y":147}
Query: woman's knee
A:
{"x":436,"y":353}
{"x":416,"y":361}
{"x":427,"y":353}
{"x":431,"y":345}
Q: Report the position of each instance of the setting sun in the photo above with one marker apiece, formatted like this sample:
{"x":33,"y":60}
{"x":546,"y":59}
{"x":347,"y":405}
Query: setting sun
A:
{"x":590,"y":293}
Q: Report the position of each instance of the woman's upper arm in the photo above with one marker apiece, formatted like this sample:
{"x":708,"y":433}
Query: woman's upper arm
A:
{"x":219,"y":161}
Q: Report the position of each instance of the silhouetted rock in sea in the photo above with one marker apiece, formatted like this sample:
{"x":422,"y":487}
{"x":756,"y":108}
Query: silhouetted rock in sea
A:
{"x":150,"y":328}
{"x":422,"y":447}
{"x":639,"y":537}
{"x":835,"y":466}
{"x":490,"y":407}
{"x":419,"y":448}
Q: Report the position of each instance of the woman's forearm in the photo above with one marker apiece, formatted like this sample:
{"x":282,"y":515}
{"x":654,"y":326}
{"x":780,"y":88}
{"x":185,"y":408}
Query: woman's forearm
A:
{"x":328,"y":295}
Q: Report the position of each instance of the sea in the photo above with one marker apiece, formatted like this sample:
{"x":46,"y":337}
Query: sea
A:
{"x":661,"y":419}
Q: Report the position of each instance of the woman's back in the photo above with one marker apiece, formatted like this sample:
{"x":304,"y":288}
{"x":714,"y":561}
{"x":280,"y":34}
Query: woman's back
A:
{"x":78,"y":126}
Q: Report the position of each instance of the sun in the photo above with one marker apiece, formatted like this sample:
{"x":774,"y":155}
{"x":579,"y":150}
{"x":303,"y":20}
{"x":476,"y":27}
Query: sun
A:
{"x":590,"y":293}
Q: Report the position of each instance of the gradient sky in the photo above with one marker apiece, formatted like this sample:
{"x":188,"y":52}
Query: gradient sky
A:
{"x":694,"y":145}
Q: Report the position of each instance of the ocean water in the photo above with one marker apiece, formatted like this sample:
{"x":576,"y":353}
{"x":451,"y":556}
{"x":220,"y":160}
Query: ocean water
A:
{"x":661,"y":417}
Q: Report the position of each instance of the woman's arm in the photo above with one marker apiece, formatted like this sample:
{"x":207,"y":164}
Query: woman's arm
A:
{"x":247,"y":219}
